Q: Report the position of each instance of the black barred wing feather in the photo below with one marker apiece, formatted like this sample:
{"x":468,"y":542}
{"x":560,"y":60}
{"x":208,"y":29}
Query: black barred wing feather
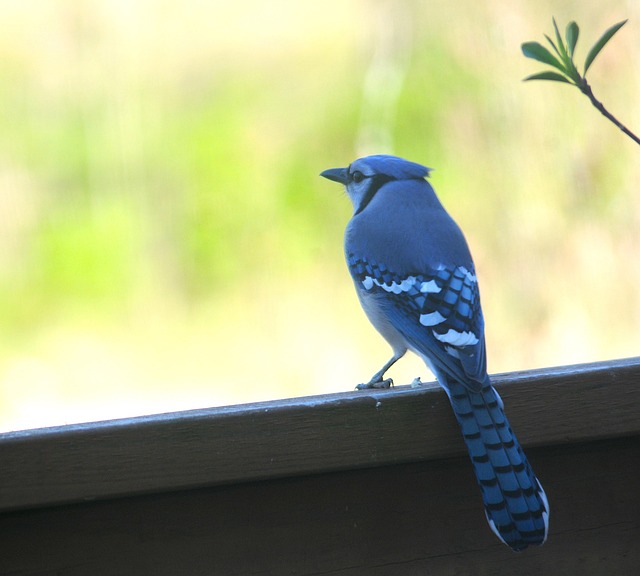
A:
{"x":437,"y":311}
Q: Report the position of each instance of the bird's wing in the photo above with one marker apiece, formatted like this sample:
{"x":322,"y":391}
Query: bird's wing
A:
{"x":437,"y":312}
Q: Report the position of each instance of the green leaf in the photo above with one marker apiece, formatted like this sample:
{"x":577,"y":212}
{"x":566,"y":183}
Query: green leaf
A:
{"x":599,"y":45}
{"x":572,"y":34}
{"x":538,"y":52}
{"x":554,"y":76}
{"x":554,"y":45}
{"x":561,"y":47}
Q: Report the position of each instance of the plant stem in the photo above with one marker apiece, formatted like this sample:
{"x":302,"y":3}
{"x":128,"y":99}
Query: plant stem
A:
{"x":586,"y":89}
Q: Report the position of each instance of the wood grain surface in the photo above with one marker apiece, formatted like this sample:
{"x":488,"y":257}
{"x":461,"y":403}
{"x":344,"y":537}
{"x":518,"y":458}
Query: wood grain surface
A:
{"x":304,"y":435}
{"x":423,"y":518}
{"x":354,"y":483}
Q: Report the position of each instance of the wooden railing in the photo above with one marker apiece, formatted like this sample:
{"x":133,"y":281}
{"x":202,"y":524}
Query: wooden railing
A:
{"x":373,"y":482}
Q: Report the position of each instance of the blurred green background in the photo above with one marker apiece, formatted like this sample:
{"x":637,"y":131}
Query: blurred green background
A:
{"x":166,"y":242}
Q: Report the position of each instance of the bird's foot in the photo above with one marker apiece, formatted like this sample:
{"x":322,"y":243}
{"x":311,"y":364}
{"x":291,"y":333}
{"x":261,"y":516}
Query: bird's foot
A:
{"x":376,"y":384}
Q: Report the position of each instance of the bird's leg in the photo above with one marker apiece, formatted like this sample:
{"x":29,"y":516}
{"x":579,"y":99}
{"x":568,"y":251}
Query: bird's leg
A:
{"x":378,"y":380}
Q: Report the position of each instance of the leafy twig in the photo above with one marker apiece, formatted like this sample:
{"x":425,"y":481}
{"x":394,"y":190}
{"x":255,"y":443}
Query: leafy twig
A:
{"x":568,"y":72}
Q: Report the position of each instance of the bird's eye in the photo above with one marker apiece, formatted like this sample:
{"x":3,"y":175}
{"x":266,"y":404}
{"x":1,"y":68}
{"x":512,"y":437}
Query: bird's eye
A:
{"x":357,"y":176}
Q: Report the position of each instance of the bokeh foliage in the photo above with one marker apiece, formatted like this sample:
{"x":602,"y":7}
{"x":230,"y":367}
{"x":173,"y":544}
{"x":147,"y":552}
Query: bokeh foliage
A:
{"x":167,"y":243}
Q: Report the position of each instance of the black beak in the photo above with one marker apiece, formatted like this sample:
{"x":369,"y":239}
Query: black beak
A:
{"x":336,"y":174}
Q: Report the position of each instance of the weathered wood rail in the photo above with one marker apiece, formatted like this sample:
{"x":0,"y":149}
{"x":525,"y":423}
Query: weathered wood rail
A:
{"x":358,"y":483}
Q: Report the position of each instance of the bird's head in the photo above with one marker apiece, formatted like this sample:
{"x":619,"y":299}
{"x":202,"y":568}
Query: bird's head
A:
{"x":365,"y":176}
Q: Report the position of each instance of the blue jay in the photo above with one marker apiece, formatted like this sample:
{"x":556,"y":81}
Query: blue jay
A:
{"x":416,"y":281}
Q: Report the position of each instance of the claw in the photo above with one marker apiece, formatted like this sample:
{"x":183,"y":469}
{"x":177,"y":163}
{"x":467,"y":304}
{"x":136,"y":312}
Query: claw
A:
{"x":378,"y":381}
{"x":379,"y":384}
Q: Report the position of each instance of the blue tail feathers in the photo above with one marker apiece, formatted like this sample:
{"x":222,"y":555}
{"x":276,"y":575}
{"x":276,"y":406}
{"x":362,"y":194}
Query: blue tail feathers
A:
{"x":515,"y":503}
